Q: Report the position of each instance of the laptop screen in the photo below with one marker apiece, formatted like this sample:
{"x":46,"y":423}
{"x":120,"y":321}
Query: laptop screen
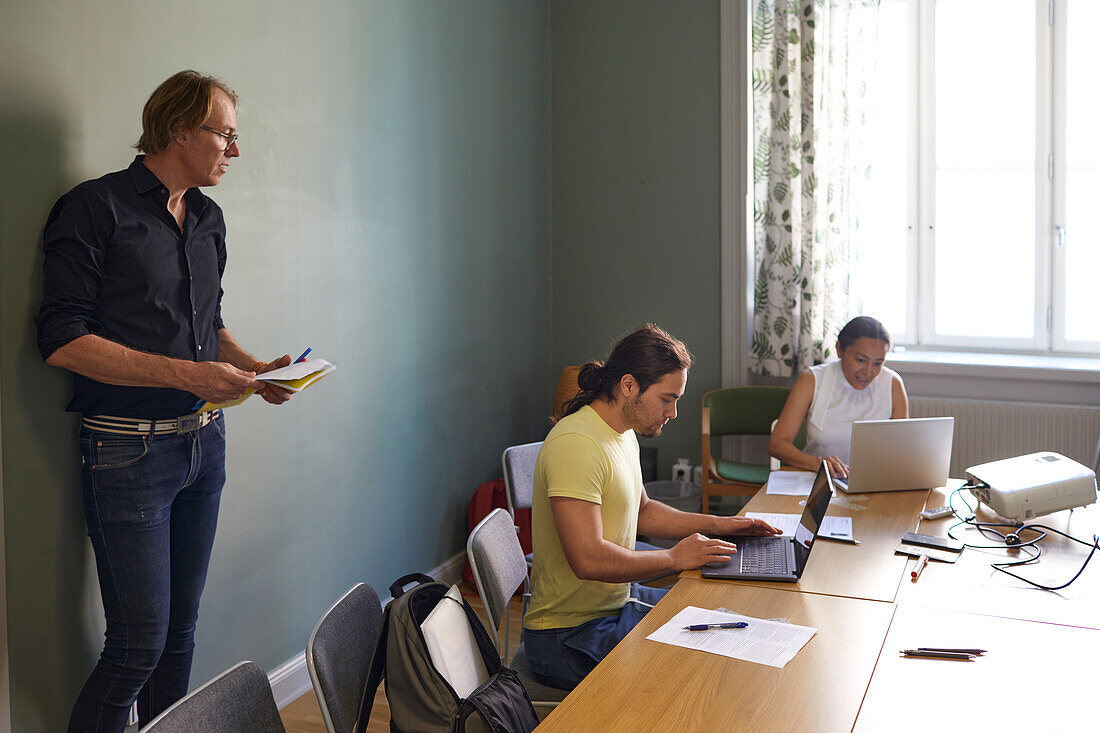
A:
{"x":817,"y":503}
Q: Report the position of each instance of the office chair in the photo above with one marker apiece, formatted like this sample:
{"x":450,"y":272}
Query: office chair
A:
{"x":737,"y":411}
{"x":239,"y":700}
{"x":565,"y":390}
{"x":519,"y":480}
{"x":499,"y":569}
{"x":518,"y":462}
{"x":339,"y":653}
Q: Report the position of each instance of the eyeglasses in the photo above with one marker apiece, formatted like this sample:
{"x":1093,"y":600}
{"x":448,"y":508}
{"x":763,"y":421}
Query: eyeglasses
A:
{"x":229,"y":138}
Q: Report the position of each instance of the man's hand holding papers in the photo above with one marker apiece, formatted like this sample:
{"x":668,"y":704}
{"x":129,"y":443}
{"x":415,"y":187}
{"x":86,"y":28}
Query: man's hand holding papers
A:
{"x":293,"y":377}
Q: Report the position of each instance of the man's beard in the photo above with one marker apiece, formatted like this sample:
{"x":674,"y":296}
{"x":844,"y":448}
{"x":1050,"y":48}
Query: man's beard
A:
{"x":633,"y":415}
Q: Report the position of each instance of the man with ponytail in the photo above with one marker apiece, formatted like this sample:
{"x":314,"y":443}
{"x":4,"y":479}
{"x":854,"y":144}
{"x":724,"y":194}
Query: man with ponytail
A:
{"x":589,"y":504}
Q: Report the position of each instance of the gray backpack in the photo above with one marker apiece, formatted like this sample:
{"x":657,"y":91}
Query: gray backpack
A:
{"x":421,"y":700}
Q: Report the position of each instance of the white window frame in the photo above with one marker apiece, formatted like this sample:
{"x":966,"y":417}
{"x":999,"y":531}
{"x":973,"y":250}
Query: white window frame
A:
{"x":1049,"y":313}
{"x":1057,"y":15}
{"x":1057,"y":21}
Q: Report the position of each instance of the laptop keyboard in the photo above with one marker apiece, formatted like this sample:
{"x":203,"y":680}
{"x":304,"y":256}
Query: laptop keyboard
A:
{"x":768,"y":557}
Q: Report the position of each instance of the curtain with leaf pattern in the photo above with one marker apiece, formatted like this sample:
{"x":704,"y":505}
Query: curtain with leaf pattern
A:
{"x":812,"y":62}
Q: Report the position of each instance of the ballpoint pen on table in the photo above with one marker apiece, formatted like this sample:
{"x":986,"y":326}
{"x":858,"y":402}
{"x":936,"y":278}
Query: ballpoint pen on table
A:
{"x":961,"y":656}
{"x":832,"y":538}
{"x":708,"y":627}
{"x":303,"y":356}
{"x":974,"y":652}
{"x":921,"y":562}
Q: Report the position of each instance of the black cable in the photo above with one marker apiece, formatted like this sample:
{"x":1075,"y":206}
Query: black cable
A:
{"x":987,"y":528}
{"x":1095,"y":546}
{"x":1058,"y":531}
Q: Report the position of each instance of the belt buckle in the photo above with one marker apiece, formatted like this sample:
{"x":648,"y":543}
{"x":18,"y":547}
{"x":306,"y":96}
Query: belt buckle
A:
{"x":189,"y":423}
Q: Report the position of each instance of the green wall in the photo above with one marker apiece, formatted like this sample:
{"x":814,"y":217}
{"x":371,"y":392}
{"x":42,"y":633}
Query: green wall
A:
{"x":391,"y":210}
{"x":636,"y":185}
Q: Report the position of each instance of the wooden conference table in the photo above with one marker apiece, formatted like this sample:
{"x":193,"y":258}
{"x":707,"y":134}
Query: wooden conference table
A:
{"x":1039,"y":672}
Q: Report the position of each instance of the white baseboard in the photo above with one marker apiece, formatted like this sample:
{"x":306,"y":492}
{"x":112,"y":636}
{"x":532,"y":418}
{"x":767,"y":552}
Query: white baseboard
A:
{"x":290,"y":680}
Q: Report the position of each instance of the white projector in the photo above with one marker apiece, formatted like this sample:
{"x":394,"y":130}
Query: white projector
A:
{"x":1033,"y":485}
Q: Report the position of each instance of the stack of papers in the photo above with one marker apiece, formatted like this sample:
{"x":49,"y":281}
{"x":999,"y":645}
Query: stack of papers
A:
{"x":295,"y":377}
{"x":762,"y":641}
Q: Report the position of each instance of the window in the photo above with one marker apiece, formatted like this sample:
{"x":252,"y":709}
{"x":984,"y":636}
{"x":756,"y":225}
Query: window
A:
{"x":977,"y":232}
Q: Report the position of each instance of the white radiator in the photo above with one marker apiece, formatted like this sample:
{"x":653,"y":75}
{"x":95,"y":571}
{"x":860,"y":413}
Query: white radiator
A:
{"x":989,"y":431}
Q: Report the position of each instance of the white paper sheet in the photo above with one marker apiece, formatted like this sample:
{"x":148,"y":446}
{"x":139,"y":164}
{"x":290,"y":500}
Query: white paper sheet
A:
{"x":791,"y":483}
{"x":840,"y":527}
{"x":295,"y":371}
{"x":763,"y":642}
{"x":452,"y":646}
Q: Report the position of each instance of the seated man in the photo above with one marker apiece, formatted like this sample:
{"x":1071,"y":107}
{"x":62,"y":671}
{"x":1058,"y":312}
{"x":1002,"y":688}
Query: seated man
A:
{"x":589,"y":504}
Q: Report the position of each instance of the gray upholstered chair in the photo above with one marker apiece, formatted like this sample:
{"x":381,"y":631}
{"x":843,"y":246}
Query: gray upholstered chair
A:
{"x":499,"y":569}
{"x":519,"y":478}
{"x":519,"y":474}
{"x":239,"y":700}
{"x":339,"y":653}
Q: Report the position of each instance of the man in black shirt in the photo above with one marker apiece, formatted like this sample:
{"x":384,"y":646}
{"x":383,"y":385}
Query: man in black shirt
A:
{"x":132,"y":306}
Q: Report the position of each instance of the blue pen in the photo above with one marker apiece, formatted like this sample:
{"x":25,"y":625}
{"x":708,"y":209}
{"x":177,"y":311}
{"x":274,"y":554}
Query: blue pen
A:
{"x":303,"y":356}
{"x":708,"y":627}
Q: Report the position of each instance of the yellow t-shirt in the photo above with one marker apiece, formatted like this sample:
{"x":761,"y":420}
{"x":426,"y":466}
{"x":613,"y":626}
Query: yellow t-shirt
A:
{"x":581,"y":458}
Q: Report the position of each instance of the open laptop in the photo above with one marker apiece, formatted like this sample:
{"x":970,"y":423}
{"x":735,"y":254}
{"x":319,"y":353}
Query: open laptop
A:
{"x":778,"y":558}
{"x":899,"y":455}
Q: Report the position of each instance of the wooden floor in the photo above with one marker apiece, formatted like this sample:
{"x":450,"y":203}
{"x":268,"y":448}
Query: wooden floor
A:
{"x":304,"y":716}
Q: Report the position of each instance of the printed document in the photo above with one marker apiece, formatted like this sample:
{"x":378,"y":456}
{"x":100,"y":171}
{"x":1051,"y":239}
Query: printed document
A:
{"x":791,"y":483}
{"x":763,"y":642}
{"x":839,"y":527}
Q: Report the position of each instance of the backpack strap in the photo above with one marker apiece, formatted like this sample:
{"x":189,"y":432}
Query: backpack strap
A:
{"x":375,"y":675}
{"x":398,"y":587}
{"x":378,"y":660}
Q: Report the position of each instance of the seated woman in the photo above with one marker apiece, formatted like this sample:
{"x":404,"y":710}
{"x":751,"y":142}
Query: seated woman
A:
{"x":830,"y":397}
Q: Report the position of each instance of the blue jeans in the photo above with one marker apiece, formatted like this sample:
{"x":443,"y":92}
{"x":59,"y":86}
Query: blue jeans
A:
{"x":151,"y":504}
{"x":563,"y":657}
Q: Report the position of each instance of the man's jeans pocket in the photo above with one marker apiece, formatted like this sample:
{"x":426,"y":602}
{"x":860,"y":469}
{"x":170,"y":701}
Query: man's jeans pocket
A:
{"x":107,"y":452}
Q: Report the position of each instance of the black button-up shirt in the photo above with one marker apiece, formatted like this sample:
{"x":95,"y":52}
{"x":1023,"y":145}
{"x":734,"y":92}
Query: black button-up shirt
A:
{"x":118,"y":266}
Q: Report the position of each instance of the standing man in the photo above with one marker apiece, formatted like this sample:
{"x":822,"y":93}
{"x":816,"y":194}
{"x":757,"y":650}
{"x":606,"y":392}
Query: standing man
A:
{"x":132,"y":306}
{"x":589,"y":505}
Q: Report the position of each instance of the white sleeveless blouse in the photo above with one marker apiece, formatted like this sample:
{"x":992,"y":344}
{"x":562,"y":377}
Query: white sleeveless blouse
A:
{"x":830,"y":417}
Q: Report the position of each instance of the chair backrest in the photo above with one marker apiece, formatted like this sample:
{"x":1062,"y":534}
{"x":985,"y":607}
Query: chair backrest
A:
{"x":339,"y":653}
{"x":744,"y":410}
{"x":239,"y":700}
{"x":519,"y":474}
{"x":499,"y":569}
{"x":566,"y":389}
